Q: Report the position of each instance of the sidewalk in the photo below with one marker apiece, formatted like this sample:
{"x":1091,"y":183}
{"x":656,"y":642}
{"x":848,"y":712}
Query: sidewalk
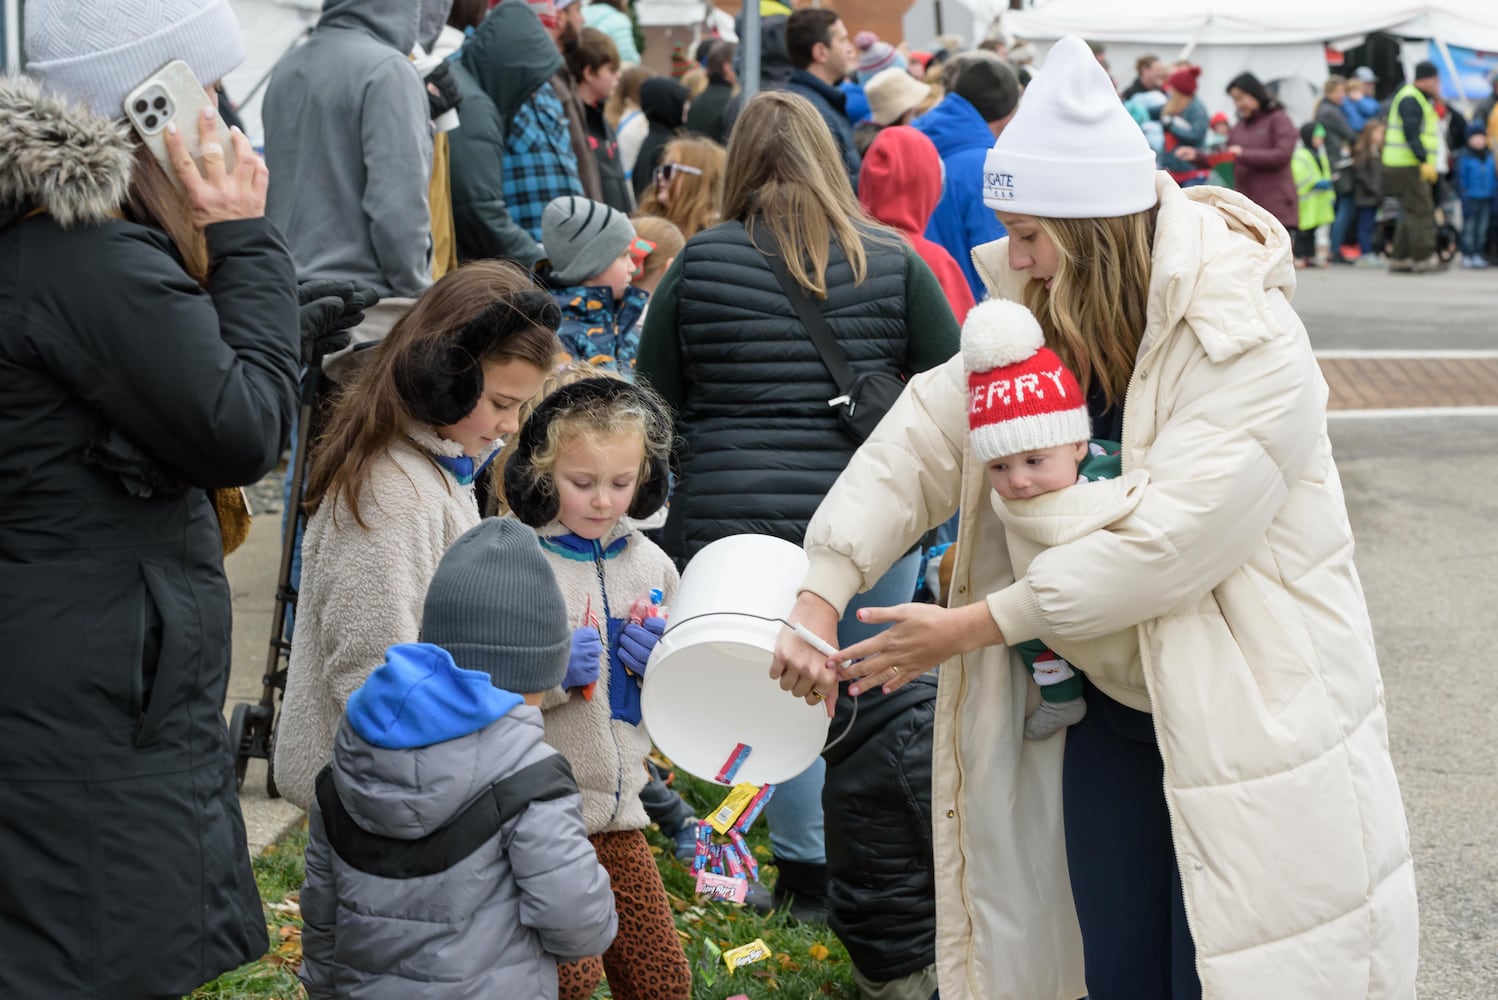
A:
{"x":252,"y":585}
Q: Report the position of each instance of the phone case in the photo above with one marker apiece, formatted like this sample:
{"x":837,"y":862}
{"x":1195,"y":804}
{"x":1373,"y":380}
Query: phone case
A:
{"x":173,"y":94}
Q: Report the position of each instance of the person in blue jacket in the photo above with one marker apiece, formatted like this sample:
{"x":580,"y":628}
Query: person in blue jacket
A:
{"x":1359,"y":104}
{"x":1478,"y":181}
{"x":982,"y":99}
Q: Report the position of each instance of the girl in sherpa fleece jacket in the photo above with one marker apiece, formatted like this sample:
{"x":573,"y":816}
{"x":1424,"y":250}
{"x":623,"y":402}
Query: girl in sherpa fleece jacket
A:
{"x":391,"y":487}
{"x":589,"y":461}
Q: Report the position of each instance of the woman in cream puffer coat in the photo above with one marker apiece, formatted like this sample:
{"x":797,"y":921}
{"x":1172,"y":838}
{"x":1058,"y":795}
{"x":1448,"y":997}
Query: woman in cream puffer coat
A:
{"x":1257,"y":663}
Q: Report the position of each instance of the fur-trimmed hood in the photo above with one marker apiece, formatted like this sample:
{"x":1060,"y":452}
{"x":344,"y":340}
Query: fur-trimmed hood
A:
{"x":59,"y":157}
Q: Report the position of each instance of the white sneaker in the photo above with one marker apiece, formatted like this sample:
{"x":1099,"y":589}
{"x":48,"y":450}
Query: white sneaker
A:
{"x":1479,"y":262}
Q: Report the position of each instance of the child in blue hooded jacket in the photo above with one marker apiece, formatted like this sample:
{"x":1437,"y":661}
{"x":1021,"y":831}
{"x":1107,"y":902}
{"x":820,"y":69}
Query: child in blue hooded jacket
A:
{"x":588,"y":270}
{"x":1478,"y":181}
{"x":447,"y":856}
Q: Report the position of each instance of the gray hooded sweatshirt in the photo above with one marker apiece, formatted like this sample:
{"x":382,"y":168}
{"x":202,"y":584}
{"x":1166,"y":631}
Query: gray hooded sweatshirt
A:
{"x":348,"y":141}
{"x":496,"y":923}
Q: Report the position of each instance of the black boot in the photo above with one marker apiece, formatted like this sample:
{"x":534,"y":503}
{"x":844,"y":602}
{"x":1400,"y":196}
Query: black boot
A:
{"x":801,"y":891}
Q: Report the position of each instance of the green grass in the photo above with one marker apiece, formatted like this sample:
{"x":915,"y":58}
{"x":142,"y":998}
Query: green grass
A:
{"x":799,"y":969}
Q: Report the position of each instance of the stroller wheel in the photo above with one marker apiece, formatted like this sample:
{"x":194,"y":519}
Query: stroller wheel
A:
{"x":240,"y":735}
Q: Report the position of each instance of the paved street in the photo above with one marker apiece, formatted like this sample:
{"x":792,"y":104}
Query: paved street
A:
{"x":1422,"y":492}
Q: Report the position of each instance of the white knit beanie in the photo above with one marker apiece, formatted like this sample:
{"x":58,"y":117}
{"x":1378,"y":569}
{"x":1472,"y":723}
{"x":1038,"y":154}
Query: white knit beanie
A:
{"x":1071,"y":150}
{"x":96,"y":52}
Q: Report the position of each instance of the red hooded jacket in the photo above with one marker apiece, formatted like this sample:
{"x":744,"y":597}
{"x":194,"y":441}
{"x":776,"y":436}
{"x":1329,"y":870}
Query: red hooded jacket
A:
{"x":899,"y":185}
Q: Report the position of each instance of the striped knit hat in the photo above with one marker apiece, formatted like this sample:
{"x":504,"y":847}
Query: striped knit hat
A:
{"x":874,"y":55}
{"x":582,"y":237}
{"x":1021,"y":398}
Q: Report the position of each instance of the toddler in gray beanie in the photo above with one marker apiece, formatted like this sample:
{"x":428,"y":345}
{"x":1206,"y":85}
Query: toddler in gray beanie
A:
{"x":582,"y":238}
{"x":496,"y":607}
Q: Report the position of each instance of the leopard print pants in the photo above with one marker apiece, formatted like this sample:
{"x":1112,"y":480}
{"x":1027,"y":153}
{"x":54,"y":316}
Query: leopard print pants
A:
{"x":646,"y":961}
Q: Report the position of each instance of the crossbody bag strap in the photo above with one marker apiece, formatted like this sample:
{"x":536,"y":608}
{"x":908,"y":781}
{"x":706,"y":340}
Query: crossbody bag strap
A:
{"x":816,"y":328}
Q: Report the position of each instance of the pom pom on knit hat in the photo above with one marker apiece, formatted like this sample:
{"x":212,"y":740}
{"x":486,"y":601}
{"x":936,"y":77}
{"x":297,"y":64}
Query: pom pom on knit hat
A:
{"x":96,"y":53}
{"x":1072,"y":150}
{"x":1021,"y":398}
{"x":1183,"y":80}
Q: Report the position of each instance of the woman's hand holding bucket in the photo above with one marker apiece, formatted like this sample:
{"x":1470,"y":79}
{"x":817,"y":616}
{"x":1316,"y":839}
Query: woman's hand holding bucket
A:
{"x":801,"y":668}
{"x":920,"y":637}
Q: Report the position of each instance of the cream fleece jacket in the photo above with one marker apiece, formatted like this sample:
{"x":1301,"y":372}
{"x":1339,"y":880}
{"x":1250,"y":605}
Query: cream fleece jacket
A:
{"x":607,"y":755}
{"x":361,"y":593}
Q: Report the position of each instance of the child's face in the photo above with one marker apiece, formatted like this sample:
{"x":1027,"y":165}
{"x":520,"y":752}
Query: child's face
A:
{"x":1032,"y":473}
{"x":507,"y":384}
{"x":1221,"y":128}
{"x":1478,"y":142}
{"x":596,"y":482}
{"x":616,"y":276}
{"x":1354,"y":90}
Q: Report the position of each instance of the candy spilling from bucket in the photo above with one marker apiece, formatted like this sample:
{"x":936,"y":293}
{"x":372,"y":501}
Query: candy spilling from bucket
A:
{"x":708,"y":699}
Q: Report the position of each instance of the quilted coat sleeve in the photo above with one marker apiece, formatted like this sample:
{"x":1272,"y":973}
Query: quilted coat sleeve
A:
{"x":1237,"y":434}
{"x":904,"y":480}
{"x":319,"y":913}
{"x":565,"y":894}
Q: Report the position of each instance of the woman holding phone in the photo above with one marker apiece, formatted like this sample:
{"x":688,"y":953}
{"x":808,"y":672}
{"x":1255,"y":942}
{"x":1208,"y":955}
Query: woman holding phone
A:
{"x":148,"y":355}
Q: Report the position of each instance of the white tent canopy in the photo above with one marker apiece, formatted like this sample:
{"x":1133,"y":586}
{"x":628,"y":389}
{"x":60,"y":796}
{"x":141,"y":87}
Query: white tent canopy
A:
{"x":1280,"y":41}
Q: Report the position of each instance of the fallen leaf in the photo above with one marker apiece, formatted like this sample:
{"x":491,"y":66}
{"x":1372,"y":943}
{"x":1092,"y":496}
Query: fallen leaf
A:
{"x":818,"y":951}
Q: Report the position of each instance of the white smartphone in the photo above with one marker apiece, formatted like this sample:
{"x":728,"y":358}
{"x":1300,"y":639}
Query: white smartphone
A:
{"x":173,"y":94}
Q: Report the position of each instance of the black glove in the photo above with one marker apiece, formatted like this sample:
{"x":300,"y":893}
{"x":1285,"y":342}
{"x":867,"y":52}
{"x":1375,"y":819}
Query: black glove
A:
{"x":442,"y":90}
{"x":328,"y":311}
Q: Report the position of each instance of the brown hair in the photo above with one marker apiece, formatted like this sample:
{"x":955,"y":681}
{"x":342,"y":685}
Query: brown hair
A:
{"x":1366,"y":148}
{"x":467,"y":14}
{"x":805,"y":30}
{"x":698,"y":201}
{"x":1095,"y":313}
{"x":594,"y":50}
{"x":785,"y":175}
{"x":156,"y":200}
{"x":371,"y":413}
{"x":668,"y":242}
{"x":626,"y":94}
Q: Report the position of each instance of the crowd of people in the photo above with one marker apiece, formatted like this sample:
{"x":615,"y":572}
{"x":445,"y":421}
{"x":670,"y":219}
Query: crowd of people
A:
{"x":575,"y":321}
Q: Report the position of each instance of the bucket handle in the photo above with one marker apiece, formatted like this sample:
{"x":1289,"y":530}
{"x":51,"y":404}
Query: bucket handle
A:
{"x":805,"y":634}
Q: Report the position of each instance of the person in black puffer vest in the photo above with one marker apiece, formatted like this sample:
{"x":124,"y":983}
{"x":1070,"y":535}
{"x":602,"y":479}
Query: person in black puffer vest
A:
{"x":758,"y":444}
{"x":877,"y":802}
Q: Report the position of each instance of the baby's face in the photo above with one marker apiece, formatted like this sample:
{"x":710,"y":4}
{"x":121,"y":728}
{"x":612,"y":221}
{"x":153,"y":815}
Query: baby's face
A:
{"x":1032,"y":473}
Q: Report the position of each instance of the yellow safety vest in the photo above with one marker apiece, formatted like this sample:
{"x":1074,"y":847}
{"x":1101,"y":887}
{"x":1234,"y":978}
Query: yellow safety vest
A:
{"x":1397,"y":152}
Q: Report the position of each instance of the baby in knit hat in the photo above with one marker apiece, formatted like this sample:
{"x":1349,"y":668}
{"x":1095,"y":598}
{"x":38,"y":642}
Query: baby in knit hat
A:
{"x":1029,"y":424}
{"x":588,"y":268}
{"x":447,"y":855}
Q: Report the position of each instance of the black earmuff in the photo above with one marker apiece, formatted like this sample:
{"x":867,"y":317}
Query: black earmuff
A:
{"x":442,"y":381}
{"x":533,"y":501}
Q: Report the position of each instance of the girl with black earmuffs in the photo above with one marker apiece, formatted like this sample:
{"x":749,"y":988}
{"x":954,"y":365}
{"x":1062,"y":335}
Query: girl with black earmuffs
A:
{"x":589,"y":461}
{"x":391,"y":486}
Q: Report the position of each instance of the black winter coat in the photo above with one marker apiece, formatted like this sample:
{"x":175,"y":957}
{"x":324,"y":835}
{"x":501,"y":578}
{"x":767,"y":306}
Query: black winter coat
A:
{"x":664,"y":104}
{"x":617,"y":193}
{"x":876,"y":803}
{"x":758,"y":447}
{"x":123,"y":866}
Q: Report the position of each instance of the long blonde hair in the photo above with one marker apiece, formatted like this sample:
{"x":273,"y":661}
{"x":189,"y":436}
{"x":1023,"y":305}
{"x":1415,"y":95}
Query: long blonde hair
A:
{"x":1095,"y":311}
{"x":785,"y":175}
{"x":697,"y":203}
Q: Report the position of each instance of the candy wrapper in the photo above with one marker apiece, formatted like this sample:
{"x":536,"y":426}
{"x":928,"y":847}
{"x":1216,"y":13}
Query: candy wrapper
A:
{"x":741,"y":752}
{"x":727,"y":814}
{"x":722,"y":888}
{"x":751,"y":866}
{"x":754,"y":951}
{"x":754,"y":808}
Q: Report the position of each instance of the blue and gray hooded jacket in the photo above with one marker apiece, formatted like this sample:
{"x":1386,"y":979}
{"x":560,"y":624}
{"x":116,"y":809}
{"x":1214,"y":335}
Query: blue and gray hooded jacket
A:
{"x":599,"y":330}
{"x":421,"y":741}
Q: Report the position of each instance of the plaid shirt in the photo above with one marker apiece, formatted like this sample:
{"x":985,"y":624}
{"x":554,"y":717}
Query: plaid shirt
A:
{"x":539,"y":162}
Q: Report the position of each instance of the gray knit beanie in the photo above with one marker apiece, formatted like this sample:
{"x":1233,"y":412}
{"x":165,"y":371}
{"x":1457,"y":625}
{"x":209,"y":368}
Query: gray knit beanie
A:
{"x":582,"y":238}
{"x":96,"y":52}
{"x":495,"y":606}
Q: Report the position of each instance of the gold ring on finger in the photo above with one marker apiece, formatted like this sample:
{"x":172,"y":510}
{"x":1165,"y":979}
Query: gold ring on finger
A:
{"x":896,"y":669}
{"x":816,"y":695}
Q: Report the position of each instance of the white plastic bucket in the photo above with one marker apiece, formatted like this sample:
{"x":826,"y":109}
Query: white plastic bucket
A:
{"x":708,"y":687}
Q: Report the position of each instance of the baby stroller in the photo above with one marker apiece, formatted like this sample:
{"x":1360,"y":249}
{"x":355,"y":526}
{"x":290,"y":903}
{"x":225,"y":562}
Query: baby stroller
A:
{"x":252,"y":727}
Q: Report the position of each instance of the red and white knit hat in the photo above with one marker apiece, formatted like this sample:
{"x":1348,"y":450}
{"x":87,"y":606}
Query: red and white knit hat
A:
{"x":1021,"y":398}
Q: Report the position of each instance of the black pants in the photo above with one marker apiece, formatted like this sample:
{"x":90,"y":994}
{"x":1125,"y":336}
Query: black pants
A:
{"x":1123,"y":870}
{"x":1415,"y":235}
